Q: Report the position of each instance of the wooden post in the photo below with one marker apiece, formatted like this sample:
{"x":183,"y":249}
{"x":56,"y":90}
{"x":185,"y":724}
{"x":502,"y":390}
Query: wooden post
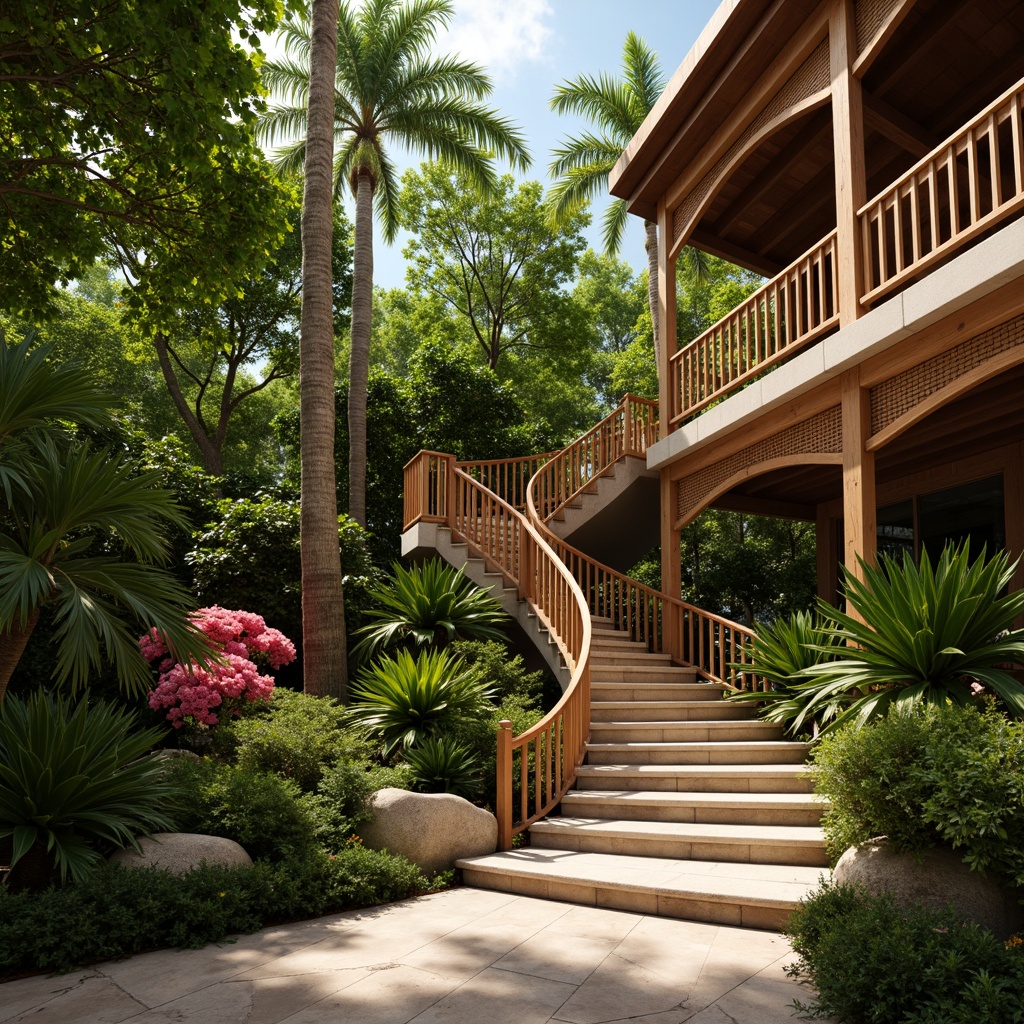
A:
{"x":503,"y":797}
{"x":666,"y":317}
{"x":848,"y":147}
{"x":671,"y":574}
{"x":859,"y":514}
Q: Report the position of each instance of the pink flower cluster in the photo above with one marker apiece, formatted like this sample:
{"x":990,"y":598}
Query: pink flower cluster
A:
{"x":188,"y":691}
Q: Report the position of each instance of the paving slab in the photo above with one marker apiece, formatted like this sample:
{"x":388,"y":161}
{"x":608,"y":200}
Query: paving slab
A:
{"x":466,"y":956}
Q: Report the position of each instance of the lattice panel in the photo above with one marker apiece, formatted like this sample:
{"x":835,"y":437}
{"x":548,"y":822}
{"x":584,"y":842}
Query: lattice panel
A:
{"x":898,"y":395}
{"x":820,"y":435}
{"x":871,"y":16}
{"x":812,"y":76}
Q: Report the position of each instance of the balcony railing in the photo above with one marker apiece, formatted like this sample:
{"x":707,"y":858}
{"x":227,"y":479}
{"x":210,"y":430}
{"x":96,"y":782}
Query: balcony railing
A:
{"x":780,"y":318}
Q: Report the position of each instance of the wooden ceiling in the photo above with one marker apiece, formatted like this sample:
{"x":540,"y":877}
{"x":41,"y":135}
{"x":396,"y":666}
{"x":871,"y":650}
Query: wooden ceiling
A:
{"x":987,"y":417}
{"x":946,"y":62}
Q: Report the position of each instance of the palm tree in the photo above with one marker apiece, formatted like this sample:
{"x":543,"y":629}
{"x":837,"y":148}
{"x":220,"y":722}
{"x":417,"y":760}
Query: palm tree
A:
{"x":617,"y":107}
{"x":81,"y":531}
{"x":388,"y":87}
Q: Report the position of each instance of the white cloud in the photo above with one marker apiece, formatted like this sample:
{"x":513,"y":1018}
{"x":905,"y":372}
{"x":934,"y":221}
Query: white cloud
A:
{"x":502,"y":35}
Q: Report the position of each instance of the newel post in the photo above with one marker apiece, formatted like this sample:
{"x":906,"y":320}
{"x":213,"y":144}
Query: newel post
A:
{"x":503,"y":797}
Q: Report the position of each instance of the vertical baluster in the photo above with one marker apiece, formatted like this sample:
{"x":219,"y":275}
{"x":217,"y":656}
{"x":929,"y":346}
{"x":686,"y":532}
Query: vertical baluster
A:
{"x":954,"y":192}
{"x":1017,"y":132}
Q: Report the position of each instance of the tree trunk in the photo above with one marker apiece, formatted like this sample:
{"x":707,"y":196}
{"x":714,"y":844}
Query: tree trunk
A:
{"x":12,"y":646}
{"x":652,"y":287}
{"x":359,"y":355}
{"x":325,"y":662}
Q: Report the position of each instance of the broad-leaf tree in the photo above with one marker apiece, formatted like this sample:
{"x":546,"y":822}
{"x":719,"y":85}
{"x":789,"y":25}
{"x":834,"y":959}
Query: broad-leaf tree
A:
{"x":135,"y":117}
{"x":389,"y":88}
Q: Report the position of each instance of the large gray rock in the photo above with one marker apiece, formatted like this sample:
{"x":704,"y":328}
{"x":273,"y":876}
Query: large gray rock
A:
{"x":432,"y":829}
{"x":179,"y":852}
{"x":936,"y":878}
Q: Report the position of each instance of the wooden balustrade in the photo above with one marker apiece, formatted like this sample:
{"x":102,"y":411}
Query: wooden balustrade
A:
{"x":629,"y":430}
{"x":780,"y":318}
{"x":508,"y":478}
{"x":425,"y":497}
{"x":969,"y":183}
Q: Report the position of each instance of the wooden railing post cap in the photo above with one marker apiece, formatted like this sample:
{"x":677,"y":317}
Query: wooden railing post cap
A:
{"x":505,"y":724}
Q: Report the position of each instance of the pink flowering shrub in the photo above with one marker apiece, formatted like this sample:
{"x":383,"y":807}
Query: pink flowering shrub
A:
{"x":191,"y":692}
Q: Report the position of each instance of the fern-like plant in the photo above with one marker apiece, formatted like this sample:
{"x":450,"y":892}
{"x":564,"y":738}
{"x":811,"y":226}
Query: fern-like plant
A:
{"x":71,"y":782}
{"x":403,"y":701}
{"x":442,"y":765}
{"x":914,"y":633}
{"x":429,"y":605}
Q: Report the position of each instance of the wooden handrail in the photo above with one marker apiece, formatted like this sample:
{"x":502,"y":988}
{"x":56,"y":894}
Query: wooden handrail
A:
{"x":629,"y":430}
{"x":780,"y":318}
{"x":425,"y":494}
{"x":507,"y":477}
{"x":963,"y":187}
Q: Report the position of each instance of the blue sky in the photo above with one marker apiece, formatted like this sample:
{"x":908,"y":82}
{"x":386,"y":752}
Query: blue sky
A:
{"x":530,"y":46}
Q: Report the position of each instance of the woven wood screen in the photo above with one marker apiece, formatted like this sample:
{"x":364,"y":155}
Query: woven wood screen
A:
{"x":870,"y":16}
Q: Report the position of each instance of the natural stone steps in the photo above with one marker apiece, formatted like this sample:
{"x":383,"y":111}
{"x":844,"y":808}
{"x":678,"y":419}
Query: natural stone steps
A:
{"x":706,"y":778}
{"x":684,"y":731}
{"x":743,"y":752}
{"x":667,"y":711}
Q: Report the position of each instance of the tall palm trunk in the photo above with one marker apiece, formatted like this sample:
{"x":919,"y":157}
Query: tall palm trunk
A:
{"x":652,"y":288}
{"x":12,"y":645}
{"x":359,"y":355}
{"x":325,"y":662}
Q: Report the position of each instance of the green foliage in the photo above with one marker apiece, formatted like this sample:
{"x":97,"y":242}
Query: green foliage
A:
{"x":927,"y":776}
{"x":260,"y":810}
{"x":340,"y":805}
{"x":870,"y":961}
{"x":73,"y":783}
{"x":403,"y":701}
{"x":443,"y":765}
{"x":917,"y":633}
{"x":297,"y":736}
{"x":117,"y":912}
{"x":429,"y":605}
{"x":506,"y":674}
{"x":145,"y":114}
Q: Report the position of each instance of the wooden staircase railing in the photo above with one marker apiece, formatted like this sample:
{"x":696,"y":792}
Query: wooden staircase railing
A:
{"x":630,"y":430}
{"x":536,"y":768}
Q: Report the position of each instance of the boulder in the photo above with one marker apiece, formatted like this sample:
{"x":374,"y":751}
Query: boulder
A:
{"x":179,"y":852}
{"x":934,"y":878}
{"x":433,"y":830}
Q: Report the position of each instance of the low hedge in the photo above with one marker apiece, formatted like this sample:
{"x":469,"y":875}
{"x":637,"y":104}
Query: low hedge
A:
{"x":116,"y":912}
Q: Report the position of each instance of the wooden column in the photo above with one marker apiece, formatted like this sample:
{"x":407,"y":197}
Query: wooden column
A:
{"x":671,"y":574}
{"x":848,"y":145}
{"x":1013,"y":512}
{"x":666,"y":318}
{"x":859,"y":515}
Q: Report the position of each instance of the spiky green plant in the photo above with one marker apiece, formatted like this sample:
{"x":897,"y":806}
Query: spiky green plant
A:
{"x":403,"y":701}
{"x":914,"y":633}
{"x":430,"y":604}
{"x":71,"y":778}
{"x":443,"y":765}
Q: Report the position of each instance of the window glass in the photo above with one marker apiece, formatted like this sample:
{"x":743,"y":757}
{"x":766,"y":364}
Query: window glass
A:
{"x":973,"y":510}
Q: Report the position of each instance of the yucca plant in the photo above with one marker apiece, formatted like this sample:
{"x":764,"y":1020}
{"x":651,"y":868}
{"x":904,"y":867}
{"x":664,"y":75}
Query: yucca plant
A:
{"x":443,"y":765}
{"x":429,"y":605}
{"x":783,"y":653}
{"x":403,"y":701}
{"x":71,"y":781}
{"x":919,"y":634}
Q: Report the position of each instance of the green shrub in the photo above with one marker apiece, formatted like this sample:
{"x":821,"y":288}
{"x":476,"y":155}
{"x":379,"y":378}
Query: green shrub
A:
{"x":116,"y":912}
{"x":929,"y":776}
{"x":870,"y":961}
{"x":505,"y":674}
{"x":73,"y":784}
{"x":340,"y":804}
{"x":299,"y":737}
{"x":441,"y":765}
{"x":268,"y":815}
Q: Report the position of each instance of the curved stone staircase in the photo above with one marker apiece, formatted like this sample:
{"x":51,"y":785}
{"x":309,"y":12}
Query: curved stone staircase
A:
{"x":685,"y":804}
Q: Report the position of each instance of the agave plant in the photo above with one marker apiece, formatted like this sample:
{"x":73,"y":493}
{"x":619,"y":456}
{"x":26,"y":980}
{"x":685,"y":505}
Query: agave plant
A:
{"x":429,"y":605}
{"x":443,"y":765}
{"x":71,"y":779}
{"x":783,"y":653}
{"x":914,"y":633}
{"x":404,"y":701}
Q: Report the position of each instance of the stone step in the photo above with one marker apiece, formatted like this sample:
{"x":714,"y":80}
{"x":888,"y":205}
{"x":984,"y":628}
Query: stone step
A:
{"x":704,"y":778}
{"x":639,"y":692}
{"x":702,"y":808}
{"x":667,"y":710}
{"x":638,"y":672}
{"x":600,"y":632}
{"x":741,"y":895}
{"x":723,"y":752}
{"x":747,"y":844}
{"x":604,"y":656}
{"x":684,"y":731}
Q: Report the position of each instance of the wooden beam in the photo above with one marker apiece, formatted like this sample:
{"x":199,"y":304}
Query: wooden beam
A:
{"x":667,"y":397}
{"x":671,"y":569}
{"x":745,"y":258}
{"x":859,"y":514}
{"x":848,"y":143}
{"x":896,"y":126}
{"x":876,"y":44}
{"x":733,"y":502}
